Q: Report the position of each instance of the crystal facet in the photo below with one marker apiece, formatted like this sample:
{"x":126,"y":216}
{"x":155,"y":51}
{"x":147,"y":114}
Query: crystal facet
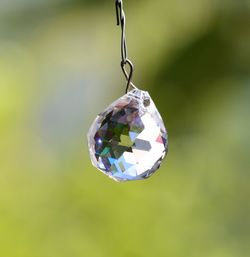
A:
{"x":128,"y":140}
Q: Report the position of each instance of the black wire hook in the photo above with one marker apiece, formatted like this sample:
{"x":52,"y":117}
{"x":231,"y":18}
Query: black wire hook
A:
{"x":121,"y":20}
{"x":128,"y":75}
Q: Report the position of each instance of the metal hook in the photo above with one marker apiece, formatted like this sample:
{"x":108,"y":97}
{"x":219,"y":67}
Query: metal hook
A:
{"x":128,"y":76}
{"x":121,"y":20}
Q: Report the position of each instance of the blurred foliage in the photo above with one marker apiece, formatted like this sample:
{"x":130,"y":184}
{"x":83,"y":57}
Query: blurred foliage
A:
{"x":59,"y":67}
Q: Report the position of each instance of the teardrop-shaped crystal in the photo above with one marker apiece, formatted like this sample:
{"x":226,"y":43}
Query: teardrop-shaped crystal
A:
{"x":128,"y":140}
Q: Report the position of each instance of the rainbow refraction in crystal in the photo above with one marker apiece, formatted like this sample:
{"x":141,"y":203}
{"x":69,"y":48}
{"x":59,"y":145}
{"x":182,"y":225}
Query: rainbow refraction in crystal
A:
{"x":128,"y":140}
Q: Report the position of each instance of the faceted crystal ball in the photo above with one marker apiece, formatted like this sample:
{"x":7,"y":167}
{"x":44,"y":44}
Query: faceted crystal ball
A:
{"x":128,"y":140}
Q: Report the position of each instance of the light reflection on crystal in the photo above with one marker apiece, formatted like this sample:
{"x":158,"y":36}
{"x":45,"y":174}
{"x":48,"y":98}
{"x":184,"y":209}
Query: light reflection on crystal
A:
{"x":128,"y":140}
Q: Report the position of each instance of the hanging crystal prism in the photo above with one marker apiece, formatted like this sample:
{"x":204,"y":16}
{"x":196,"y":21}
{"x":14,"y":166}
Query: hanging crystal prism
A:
{"x":128,"y":140}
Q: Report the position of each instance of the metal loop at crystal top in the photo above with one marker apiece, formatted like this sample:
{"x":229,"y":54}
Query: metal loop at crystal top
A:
{"x":128,"y":140}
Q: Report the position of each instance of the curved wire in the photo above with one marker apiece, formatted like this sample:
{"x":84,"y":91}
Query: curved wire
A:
{"x":129,"y":75}
{"x":121,"y":20}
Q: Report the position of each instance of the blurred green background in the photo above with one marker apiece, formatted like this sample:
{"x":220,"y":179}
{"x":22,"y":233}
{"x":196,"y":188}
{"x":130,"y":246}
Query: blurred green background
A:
{"x":59,"y":67}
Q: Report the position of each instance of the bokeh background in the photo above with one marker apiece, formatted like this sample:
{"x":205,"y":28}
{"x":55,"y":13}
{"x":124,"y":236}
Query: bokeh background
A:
{"x":59,"y":67}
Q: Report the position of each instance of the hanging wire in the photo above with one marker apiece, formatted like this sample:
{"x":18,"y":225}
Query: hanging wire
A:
{"x":121,"y":21}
